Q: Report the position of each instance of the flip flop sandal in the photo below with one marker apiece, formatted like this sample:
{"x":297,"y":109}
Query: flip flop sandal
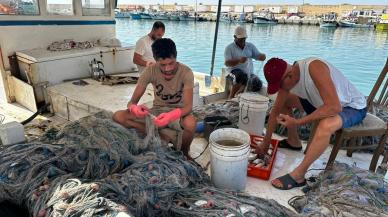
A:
{"x":288,"y":183}
{"x":284,"y":144}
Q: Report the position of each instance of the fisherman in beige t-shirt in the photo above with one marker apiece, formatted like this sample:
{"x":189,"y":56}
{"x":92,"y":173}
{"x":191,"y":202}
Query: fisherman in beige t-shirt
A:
{"x":143,"y":56}
{"x":173,"y":84}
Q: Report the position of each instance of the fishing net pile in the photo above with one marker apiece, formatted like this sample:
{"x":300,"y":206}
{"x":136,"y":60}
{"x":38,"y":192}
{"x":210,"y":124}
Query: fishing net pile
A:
{"x":345,"y":191}
{"x":228,"y":109}
{"x":95,"y":167}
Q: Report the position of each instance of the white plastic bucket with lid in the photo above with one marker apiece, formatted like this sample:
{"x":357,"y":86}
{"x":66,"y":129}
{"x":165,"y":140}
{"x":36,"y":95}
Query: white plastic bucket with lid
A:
{"x":229,"y":161}
{"x":253,"y":109}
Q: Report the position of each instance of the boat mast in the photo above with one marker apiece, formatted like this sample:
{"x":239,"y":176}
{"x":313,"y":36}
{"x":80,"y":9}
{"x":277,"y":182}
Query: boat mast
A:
{"x":215,"y":37}
{"x":195,"y":14}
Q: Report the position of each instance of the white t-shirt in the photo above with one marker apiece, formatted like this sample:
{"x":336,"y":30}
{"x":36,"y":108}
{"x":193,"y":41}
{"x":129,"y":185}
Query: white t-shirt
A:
{"x":143,"y":48}
{"x":232,"y":52}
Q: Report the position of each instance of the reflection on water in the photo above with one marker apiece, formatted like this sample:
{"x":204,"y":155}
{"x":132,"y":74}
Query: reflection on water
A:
{"x":358,"y":53}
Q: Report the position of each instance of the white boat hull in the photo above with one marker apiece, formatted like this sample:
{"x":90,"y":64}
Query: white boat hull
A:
{"x":328,"y":25}
{"x":122,"y":15}
{"x":354,"y":25}
{"x":264,"y":21}
{"x":158,"y":17}
{"x":186,"y":18}
{"x":174,"y":18}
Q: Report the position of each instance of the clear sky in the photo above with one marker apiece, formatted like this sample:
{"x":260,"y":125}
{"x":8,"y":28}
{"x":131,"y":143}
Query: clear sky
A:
{"x":254,"y":2}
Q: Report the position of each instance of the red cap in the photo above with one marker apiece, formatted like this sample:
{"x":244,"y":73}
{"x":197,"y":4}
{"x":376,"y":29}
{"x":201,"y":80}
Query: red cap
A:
{"x":274,"y":70}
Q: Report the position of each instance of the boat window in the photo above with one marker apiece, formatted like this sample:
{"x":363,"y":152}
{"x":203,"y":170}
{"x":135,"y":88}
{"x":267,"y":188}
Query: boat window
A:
{"x":95,"y":8}
{"x":60,"y":7}
{"x":19,"y":7}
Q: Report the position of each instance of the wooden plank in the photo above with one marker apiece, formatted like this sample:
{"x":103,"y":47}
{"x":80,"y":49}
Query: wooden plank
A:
{"x":24,"y":94}
{"x":3,"y":76}
{"x":59,"y":105}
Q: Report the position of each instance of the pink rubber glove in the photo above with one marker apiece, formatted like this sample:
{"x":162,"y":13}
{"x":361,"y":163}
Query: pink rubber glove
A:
{"x":166,"y":118}
{"x":140,"y":111}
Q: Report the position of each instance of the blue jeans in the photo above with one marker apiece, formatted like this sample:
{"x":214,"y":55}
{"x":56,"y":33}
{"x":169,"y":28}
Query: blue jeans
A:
{"x":350,"y":116}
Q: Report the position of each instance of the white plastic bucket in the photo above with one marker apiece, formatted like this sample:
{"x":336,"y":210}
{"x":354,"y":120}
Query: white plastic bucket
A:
{"x":253,"y":109}
{"x":229,"y":162}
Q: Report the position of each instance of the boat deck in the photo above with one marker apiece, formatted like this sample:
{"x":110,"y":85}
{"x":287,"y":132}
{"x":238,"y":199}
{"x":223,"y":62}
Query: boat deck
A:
{"x":286,"y":160}
{"x":72,"y":101}
{"x":83,"y":100}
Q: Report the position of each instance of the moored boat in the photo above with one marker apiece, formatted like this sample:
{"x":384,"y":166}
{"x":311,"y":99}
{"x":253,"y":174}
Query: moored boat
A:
{"x":160,"y":16}
{"x":264,"y":18}
{"x":144,"y":15}
{"x":329,"y":20}
{"x":135,"y":16}
{"x":122,"y":14}
{"x":383,"y":23}
{"x":351,"y":24}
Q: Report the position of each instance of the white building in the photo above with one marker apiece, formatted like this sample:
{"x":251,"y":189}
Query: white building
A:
{"x":225,"y":8}
{"x":292,"y":9}
{"x":275,"y":9}
{"x":203,"y":8}
{"x":243,"y":8}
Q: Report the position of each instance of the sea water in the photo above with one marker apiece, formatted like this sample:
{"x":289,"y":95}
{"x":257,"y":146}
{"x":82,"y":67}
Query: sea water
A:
{"x":359,"y":53}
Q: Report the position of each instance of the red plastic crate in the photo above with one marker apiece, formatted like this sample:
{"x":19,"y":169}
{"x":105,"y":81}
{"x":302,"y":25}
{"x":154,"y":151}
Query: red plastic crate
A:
{"x":262,"y":173}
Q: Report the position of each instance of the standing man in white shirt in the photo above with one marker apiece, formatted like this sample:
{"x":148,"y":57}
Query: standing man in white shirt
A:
{"x":238,"y":59}
{"x":143,"y":56}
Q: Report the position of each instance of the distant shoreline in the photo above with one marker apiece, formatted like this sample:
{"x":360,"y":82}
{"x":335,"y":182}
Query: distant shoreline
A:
{"x":306,"y":9}
{"x":344,"y":4}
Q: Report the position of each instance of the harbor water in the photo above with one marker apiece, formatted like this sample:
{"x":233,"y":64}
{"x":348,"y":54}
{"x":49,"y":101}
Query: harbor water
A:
{"x":359,"y":53}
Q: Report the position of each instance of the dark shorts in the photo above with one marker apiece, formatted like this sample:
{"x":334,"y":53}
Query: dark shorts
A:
{"x":350,"y":116}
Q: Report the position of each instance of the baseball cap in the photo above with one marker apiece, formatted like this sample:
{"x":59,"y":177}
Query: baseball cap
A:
{"x":274,"y":70}
{"x":240,"y":32}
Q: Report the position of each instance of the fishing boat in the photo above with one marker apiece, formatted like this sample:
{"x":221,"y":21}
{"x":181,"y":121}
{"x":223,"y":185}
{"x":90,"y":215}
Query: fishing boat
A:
{"x":226,"y":17}
{"x":366,"y":15}
{"x":186,"y":16}
{"x":135,"y":15}
{"x":174,"y":16}
{"x":122,"y":14}
{"x":240,"y":18}
{"x":358,"y":19}
{"x":329,"y":20}
{"x":264,"y":18}
{"x":160,"y":16}
{"x":382,"y":23}
{"x":145,"y":15}
{"x":61,"y":79}
{"x":353,"y":24}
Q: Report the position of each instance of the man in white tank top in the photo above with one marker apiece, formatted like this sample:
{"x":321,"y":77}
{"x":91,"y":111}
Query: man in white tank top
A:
{"x":321,"y":90}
